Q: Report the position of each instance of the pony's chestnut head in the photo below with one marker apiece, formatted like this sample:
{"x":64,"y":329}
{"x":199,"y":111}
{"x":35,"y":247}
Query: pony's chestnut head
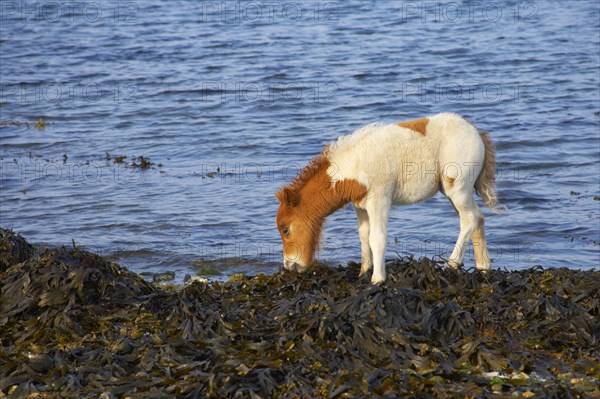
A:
{"x":299,"y":232}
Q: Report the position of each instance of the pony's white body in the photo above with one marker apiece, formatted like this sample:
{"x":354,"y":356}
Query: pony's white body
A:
{"x":398,"y":165}
{"x":402,"y":167}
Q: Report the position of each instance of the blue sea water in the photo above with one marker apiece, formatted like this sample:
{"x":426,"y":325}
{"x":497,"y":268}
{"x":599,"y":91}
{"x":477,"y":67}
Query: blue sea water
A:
{"x":230,"y":99}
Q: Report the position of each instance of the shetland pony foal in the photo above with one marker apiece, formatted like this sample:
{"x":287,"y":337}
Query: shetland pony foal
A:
{"x":378,"y":166}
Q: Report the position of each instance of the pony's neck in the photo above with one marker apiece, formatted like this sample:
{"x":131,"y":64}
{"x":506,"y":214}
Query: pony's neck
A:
{"x":321,"y":196}
{"x":315,"y":196}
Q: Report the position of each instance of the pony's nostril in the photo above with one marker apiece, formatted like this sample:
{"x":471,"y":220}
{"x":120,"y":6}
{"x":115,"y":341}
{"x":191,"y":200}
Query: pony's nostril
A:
{"x":291,"y":266}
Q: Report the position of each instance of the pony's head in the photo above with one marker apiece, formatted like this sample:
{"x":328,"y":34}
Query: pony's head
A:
{"x":304,"y":205}
{"x":298,"y":229}
{"x":302,"y":210}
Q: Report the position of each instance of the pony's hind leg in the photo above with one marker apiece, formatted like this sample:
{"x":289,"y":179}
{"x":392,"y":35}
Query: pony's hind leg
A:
{"x":482,"y":259}
{"x":363,"y":234}
{"x":469,"y":214}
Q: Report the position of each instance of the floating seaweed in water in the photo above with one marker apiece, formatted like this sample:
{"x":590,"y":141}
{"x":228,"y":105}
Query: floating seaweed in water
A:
{"x":40,"y":124}
{"x":142,"y":163}
{"x":74,"y":324}
{"x":119,"y":159}
{"x":139,"y":162}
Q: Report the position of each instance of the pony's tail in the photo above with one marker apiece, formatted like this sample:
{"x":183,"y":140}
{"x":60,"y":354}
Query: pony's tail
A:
{"x":486,"y":181}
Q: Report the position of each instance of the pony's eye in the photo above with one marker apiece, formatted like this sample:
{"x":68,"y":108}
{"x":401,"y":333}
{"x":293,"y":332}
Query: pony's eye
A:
{"x":285,"y":231}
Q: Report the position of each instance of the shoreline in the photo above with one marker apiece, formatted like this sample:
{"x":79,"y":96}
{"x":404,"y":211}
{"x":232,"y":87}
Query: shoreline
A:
{"x":75,"y":323}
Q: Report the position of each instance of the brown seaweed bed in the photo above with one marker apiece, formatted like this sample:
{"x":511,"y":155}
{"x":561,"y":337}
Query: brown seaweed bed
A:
{"x":73,"y":324}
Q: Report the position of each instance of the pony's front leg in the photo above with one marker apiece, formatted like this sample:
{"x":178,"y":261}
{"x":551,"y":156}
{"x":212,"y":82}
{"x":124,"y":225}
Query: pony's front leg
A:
{"x":378,"y":210}
{"x":363,"y":234}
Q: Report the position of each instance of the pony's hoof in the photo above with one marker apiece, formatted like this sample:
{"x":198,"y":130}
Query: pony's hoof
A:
{"x":483,"y":266}
{"x":364,"y":268}
{"x":377,"y":280}
{"x":451,"y":264}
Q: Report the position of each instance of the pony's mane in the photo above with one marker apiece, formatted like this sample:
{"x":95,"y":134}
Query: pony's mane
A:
{"x":317,"y":164}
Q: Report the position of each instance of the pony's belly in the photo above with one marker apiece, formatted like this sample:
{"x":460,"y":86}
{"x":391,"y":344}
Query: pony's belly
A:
{"x":414,"y":191}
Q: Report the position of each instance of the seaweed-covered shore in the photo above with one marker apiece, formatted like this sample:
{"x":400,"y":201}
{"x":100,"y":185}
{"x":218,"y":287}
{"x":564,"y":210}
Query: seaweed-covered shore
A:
{"x":73,"y":324}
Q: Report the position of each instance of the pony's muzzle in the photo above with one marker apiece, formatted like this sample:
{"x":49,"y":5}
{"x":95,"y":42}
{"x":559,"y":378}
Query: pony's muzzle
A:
{"x":294,"y":266}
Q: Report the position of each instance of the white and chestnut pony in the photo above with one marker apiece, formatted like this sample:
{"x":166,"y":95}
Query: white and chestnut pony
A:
{"x":379,"y":166}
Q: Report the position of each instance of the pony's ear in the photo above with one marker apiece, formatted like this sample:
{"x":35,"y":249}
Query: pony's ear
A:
{"x":325,"y":150}
{"x":287,"y":196}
